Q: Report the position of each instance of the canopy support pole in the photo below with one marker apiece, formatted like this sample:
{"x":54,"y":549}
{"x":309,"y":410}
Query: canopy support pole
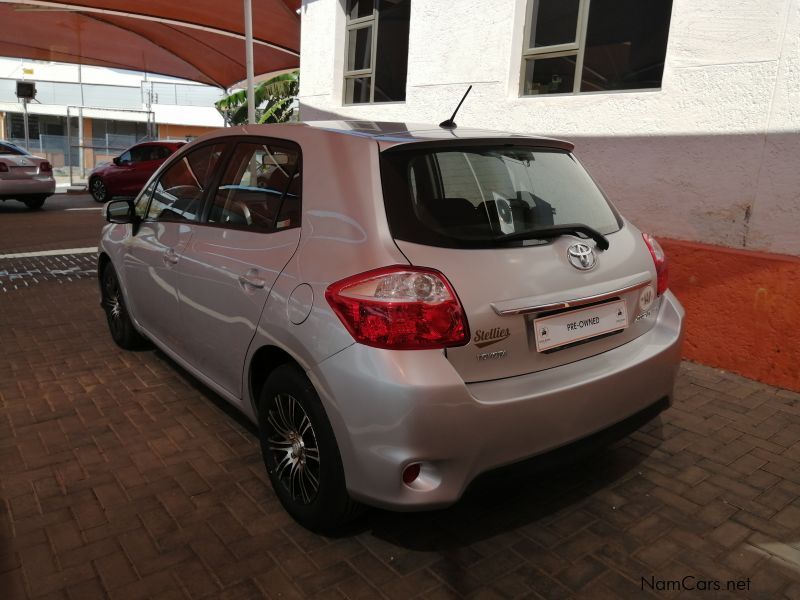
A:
{"x":81,"y":156}
{"x":25,"y":123}
{"x":248,"y":46}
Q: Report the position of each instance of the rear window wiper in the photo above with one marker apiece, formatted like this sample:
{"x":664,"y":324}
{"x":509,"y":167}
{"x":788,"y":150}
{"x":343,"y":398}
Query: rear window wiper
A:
{"x":548,"y":233}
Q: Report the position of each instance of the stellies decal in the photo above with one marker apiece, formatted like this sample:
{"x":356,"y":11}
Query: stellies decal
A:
{"x":485,"y":337}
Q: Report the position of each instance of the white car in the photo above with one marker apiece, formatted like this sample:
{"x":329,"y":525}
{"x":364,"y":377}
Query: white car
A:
{"x":24,"y":177}
{"x":400,"y":308}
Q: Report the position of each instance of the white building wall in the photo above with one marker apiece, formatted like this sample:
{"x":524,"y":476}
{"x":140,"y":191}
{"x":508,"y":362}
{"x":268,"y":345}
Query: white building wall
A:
{"x":713,"y":156}
{"x":120,"y":84}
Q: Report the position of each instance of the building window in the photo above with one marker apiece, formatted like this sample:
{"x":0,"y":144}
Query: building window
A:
{"x":376,"y":51}
{"x":574,"y":46}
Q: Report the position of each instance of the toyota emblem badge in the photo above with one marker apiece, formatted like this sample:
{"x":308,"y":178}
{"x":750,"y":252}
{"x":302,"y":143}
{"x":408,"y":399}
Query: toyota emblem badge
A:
{"x":581,"y":257}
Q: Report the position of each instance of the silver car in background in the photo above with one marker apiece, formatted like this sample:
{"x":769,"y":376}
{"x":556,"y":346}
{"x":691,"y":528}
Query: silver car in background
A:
{"x":24,"y":177}
{"x":399,"y":308}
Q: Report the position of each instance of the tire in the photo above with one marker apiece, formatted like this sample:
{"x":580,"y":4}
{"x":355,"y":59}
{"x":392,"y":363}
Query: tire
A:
{"x":292,"y":422}
{"x":35,"y":202}
{"x":99,"y":191}
{"x":120,"y":325}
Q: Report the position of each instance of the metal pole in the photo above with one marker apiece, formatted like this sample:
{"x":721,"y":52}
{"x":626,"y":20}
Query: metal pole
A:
{"x":69,"y":147}
{"x":81,"y":157}
{"x":248,"y":47}
{"x":25,"y":121}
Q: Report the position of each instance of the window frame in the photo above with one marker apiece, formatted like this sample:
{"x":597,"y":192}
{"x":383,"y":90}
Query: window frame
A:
{"x":373,"y":21}
{"x":353,"y":25}
{"x":230,"y":143}
{"x":578,"y":49}
{"x":173,"y":160}
{"x":214,"y":186}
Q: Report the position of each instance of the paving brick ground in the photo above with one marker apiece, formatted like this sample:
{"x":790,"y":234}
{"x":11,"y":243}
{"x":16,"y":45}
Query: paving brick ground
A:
{"x":123,"y":478}
{"x":28,"y":271}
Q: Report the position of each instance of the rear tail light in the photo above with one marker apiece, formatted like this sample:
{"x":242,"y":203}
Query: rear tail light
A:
{"x":660,"y":259}
{"x":400,"y":308}
{"x":45,"y":167}
{"x":3,"y":168}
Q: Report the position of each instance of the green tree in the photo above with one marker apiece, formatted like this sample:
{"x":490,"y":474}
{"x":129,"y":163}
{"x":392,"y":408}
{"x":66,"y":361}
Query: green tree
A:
{"x":275,"y":101}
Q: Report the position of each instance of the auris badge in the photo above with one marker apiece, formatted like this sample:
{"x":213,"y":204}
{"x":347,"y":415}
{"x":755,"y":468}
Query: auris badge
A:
{"x":581,"y":257}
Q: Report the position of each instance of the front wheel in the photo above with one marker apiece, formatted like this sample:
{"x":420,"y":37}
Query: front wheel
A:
{"x":120,"y":325}
{"x":301,"y":454}
{"x":99,"y":191}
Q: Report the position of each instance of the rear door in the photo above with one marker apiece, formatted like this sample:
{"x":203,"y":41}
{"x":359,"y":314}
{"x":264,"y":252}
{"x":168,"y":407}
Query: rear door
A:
{"x":530,"y":304}
{"x":251,"y":230}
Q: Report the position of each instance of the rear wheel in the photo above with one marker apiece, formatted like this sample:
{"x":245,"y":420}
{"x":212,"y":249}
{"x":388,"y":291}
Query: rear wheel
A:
{"x":35,"y":202}
{"x":119,"y":322}
{"x":98,"y":189}
{"x":301,"y":454}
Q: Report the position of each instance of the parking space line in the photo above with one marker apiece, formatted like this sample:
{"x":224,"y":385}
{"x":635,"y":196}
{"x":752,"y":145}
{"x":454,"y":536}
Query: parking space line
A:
{"x":51,"y":252}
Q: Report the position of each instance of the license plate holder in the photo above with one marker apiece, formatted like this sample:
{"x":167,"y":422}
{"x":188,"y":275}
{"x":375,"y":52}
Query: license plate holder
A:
{"x":555,"y":331}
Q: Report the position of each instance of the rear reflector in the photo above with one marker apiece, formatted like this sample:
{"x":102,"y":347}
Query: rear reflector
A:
{"x":400,"y":308}
{"x":660,"y":260}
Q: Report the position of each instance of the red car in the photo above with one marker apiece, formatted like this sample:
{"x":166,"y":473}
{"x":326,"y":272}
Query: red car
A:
{"x":128,"y":172}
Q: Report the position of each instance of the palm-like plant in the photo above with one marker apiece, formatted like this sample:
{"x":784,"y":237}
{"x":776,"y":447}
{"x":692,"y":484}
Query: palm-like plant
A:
{"x":274,"y":99}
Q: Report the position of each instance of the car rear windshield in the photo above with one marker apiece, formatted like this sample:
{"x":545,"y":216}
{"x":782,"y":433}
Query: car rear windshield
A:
{"x":471,"y":197}
{"x":6,"y":148}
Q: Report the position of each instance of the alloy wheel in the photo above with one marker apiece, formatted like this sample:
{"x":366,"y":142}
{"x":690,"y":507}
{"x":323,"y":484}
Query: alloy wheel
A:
{"x":112,"y":302}
{"x":293,"y":447}
{"x":98,"y":189}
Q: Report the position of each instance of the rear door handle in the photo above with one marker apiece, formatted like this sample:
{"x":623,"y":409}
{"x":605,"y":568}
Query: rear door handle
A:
{"x":251,"y":280}
{"x":170,"y":257}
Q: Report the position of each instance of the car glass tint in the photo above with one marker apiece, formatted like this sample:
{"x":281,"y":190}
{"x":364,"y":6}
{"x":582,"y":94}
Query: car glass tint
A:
{"x":178,"y":194}
{"x":125,"y":157}
{"x":160,"y":152}
{"x":9,"y":149}
{"x":471,"y":196}
{"x":140,"y":153}
{"x":260,"y":189}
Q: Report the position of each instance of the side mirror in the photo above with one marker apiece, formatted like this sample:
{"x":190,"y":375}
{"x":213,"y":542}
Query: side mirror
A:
{"x":121,"y":211}
{"x":116,"y":161}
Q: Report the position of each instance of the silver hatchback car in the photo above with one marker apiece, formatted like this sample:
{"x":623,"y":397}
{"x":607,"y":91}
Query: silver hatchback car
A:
{"x":398,"y":308}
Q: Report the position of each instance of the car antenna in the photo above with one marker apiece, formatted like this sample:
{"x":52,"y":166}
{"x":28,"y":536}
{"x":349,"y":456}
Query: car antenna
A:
{"x":450,"y":123}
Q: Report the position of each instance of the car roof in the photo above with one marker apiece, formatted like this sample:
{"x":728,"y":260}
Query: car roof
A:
{"x":176,"y":143}
{"x":390,"y":134}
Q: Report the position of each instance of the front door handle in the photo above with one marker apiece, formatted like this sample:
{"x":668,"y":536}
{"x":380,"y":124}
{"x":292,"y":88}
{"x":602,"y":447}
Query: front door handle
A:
{"x":170,"y":257}
{"x":251,"y":280}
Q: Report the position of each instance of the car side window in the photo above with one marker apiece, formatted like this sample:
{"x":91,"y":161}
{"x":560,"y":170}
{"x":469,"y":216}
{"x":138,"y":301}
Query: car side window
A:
{"x":178,"y":193}
{"x":140,"y":204}
{"x":140,"y":153}
{"x":125,"y":157}
{"x":260,"y":189}
{"x":160,"y":152}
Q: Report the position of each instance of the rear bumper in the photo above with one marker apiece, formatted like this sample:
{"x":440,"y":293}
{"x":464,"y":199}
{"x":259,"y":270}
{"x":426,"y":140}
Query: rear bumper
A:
{"x":38,"y":186}
{"x":389,"y":409}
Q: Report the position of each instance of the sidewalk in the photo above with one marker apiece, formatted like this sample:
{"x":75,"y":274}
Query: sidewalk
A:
{"x":64,"y":187}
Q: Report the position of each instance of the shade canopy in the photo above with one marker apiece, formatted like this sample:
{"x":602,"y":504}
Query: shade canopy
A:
{"x":200,"y":40}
